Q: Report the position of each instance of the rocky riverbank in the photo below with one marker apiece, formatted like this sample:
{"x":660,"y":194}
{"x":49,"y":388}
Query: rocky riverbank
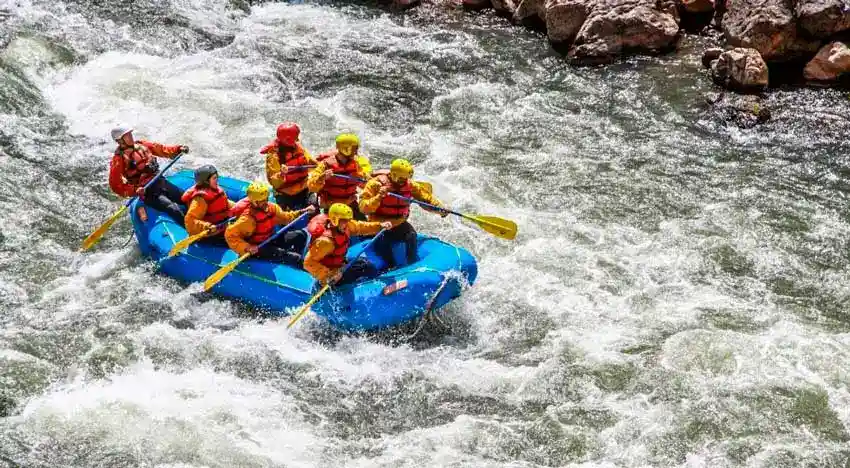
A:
{"x":766,"y":42}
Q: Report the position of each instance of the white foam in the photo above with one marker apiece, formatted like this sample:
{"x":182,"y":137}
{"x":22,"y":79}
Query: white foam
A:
{"x":200,"y":414}
{"x":570,"y":294}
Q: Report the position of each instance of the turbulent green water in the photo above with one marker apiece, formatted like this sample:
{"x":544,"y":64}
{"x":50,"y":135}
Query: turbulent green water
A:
{"x":677,"y":295}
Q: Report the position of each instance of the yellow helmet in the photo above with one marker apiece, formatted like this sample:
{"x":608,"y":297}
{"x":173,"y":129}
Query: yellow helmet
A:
{"x":258,"y":191}
{"x":339,"y":211}
{"x":400,"y":169}
{"x":347,"y":139}
{"x":346,"y":143}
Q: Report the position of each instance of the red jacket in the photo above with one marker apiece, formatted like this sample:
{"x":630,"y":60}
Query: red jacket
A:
{"x":116,"y":166}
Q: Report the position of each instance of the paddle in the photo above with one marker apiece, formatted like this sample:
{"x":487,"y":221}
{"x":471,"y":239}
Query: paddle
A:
{"x":364,"y":163}
{"x":94,"y":237}
{"x":425,"y":185}
{"x":303,"y":310}
{"x":499,"y":227}
{"x":192,"y":239}
{"x":225,"y":270}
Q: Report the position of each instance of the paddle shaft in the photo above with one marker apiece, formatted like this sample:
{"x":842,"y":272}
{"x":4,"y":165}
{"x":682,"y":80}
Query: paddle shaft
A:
{"x":219,"y":275}
{"x":281,"y":231}
{"x":156,"y":177}
{"x":402,"y":197}
{"x":222,"y":224}
{"x":95,"y":236}
{"x":306,"y":166}
{"x":185,"y":243}
{"x":216,"y":227}
{"x":303,"y":310}
{"x":363,"y":250}
{"x":474,"y":219}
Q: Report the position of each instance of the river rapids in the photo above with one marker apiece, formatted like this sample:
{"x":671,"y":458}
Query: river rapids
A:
{"x":678,"y":295}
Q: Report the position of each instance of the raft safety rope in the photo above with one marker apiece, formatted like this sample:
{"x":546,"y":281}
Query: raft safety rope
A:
{"x":218,"y":265}
{"x":430,"y":315}
{"x":127,"y":242}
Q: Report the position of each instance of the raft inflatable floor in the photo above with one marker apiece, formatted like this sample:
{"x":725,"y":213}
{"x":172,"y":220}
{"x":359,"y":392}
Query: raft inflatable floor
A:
{"x":393,"y":298}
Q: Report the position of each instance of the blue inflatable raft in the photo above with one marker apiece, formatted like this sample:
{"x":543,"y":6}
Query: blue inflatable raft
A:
{"x":396,"y":297}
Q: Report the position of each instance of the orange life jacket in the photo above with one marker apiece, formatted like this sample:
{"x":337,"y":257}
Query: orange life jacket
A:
{"x":337,"y":189}
{"x":320,"y":227}
{"x":217,"y":209}
{"x":393,"y":207}
{"x":291,"y":158}
{"x":264,"y":220}
{"x":140,"y":165}
{"x":240,"y":206}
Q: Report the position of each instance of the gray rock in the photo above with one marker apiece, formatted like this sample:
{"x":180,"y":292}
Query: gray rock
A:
{"x":504,"y":7}
{"x":769,"y":27}
{"x":564,"y":19}
{"x":740,"y":69}
{"x":830,"y":63}
{"x":531,"y":13}
{"x":711,"y":55}
{"x":823,"y":18}
{"x":613,"y":27}
{"x":696,"y":6}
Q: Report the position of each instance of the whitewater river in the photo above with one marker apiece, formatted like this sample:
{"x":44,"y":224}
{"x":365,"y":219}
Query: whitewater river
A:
{"x":677,"y":296}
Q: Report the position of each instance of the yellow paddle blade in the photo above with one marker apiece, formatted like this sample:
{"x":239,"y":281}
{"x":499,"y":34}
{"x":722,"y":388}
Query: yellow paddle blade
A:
{"x":94,"y":237}
{"x":223,"y":271}
{"x":504,"y":228}
{"x":364,"y":163}
{"x":303,"y":310}
{"x":426,"y":187}
{"x":178,"y":247}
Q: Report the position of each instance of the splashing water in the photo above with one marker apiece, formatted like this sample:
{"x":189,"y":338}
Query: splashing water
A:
{"x":677,"y":295}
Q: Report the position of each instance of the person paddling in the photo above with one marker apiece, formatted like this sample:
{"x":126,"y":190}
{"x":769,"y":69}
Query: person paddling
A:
{"x":285,"y":171}
{"x":341,"y":160}
{"x":256,"y":220}
{"x":134,"y":164}
{"x":331,"y":236}
{"x":208,"y":205}
{"x":379,"y":205}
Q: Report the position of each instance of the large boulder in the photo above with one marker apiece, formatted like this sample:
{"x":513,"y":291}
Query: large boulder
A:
{"x":769,"y":27}
{"x":696,"y":6}
{"x":504,"y":7}
{"x":613,"y":27}
{"x":695,"y":14}
{"x":531,"y":13}
{"x":740,"y":70}
{"x":829,"y":64}
{"x":564,"y":19}
{"x":822,"y":18}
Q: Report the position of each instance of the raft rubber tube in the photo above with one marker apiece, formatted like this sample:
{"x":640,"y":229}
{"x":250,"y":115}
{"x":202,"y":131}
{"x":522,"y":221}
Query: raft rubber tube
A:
{"x":397,"y":296}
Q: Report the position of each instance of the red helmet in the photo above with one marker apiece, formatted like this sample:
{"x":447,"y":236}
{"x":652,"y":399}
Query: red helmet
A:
{"x":287,"y":133}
